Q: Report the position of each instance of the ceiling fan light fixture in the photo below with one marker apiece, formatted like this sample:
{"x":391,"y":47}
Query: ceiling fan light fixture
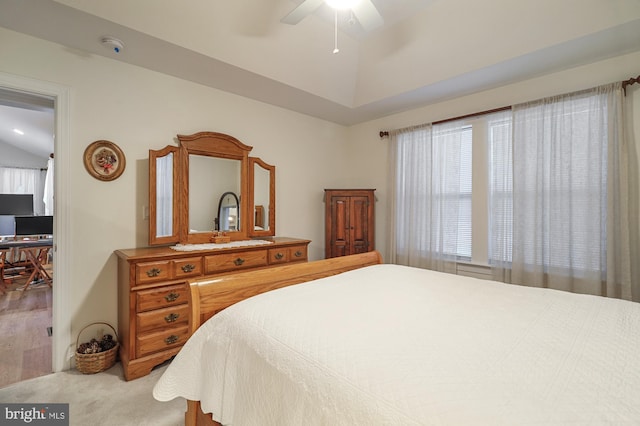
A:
{"x":342,"y":4}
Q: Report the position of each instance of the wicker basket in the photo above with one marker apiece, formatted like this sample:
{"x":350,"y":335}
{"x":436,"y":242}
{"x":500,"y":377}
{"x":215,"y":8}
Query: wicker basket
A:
{"x":97,"y":362}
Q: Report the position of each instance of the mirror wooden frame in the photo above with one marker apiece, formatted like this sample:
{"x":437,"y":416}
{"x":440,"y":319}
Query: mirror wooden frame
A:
{"x":210,"y":144}
{"x":213,"y":145}
{"x":271,"y":231}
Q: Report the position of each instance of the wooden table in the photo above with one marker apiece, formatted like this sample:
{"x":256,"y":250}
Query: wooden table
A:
{"x":36,"y":252}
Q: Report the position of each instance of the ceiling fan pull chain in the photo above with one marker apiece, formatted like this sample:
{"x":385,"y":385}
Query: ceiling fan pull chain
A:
{"x":336,"y":50}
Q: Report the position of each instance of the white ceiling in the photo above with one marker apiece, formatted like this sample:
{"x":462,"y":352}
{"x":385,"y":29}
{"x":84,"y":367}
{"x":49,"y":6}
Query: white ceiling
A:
{"x":33,"y":115}
{"x":393,"y":12}
{"x":427,"y":51}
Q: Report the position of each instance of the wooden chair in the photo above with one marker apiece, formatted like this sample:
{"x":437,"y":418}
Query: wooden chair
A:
{"x":37,"y":257}
{"x":3,"y":263}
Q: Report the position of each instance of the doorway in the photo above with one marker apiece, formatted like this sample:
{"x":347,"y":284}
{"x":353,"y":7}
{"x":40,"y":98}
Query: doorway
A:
{"x":26,"y":212}
{"x":60,"y":329}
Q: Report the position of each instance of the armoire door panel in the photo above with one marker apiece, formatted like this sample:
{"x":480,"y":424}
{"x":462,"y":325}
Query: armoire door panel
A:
{"x":340,"y":219}
{"x":360,"y":224}
{"x":339,"y":250}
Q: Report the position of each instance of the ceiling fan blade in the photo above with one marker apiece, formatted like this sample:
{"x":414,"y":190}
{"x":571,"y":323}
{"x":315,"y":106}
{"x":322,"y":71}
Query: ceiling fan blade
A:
{"x":368,"y":15}
{"x":299,"y":13}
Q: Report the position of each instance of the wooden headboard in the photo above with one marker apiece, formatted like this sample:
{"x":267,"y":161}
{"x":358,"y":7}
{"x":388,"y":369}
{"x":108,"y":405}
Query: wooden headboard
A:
{"x":211,"y":295}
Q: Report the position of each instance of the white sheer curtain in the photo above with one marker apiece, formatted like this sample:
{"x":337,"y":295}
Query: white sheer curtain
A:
{"x":570,"y":226}
{"x":426,"y":192}
{"x":24,"y":181}
{"x":48,"y":197}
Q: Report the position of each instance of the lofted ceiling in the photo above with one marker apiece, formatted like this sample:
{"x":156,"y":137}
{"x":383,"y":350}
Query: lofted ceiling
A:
{"x":427,"y":51}
{"x":33,"y":116}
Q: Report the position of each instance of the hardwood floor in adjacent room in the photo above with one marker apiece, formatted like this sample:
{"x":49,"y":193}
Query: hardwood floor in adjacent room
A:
{"x":25,"y":343}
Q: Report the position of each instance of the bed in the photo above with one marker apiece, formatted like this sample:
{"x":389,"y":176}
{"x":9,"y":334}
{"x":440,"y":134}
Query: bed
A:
{"x":358,"y":342}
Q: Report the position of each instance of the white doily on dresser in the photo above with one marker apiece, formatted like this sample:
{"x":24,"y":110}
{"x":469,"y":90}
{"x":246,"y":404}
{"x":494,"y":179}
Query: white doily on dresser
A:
{"x":212,"y":246}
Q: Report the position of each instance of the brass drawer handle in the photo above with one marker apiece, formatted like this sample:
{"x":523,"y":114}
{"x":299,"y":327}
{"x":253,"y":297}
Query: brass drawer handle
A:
{"x":172,"y":317}
{"x":154,"y":272}
{"x":298,"y":253}
{"x":279,"y":256}
{"x":172,"y":297}
{"x":239,"y":261}
{"x":171,"y":339}
{"x":189,"y":267}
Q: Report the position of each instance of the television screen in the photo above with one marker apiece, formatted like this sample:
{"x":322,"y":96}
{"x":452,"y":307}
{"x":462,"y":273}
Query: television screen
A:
{"x":7,"y":226}
{"x":34,"y":225}
{"x":16,"y":204}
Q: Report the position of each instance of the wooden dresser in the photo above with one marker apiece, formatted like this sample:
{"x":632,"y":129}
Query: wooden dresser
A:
{"x":153,"y":306}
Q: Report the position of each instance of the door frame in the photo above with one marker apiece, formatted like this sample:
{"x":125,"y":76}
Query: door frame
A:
{"x":61,"y":312}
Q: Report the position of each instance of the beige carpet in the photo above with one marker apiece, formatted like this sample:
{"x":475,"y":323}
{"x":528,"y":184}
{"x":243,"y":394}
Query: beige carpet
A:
{"x":100,"y":399}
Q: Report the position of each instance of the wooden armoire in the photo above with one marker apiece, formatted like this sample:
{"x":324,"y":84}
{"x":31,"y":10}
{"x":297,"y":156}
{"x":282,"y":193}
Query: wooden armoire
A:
{"x":349,"y":221}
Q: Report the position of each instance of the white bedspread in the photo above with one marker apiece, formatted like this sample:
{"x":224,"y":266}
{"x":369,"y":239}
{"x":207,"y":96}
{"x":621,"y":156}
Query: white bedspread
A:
{"x":393,"y":345}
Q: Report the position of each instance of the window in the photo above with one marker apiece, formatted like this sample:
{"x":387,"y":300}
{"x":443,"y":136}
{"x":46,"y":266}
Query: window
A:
{"x":471,"y":194}
{"x":454,"y":196}
{"x":500,"y":189}
{"x":443,"y":173}
{"x":24,"y":181}
{"x":561,"y":154}
{"x":539,"y":192}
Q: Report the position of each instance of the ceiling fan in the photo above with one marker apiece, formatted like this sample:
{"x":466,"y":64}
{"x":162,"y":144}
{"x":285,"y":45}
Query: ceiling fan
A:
{"x":363,"y":10}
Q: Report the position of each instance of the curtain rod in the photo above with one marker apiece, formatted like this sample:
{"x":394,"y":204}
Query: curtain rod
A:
{"x":23,"y":168}
{"x":629,"y":82}
{"x":384,"y":133}
{"x":625,"y":83}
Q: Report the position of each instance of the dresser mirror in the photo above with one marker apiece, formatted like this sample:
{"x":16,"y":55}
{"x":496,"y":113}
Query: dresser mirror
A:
{"x":163,"y":200}
{"x":209,"y":179}
{"x":207,"y":184}
{"x":262,"y":197}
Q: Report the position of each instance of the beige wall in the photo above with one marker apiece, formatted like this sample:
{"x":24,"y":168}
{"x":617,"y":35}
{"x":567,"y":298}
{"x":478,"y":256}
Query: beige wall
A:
{"x":141,"y":110}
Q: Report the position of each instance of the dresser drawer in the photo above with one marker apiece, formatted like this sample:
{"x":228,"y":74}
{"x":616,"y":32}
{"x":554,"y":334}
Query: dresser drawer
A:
{"x":287,"y":254}
{"x":235,"y":261}
{"x":161,"y":297}
{"x":278,"y":255}
{"x":297,"y":253}
{"x":149,"y":272}
{"x":162,"y":318}
{"x":155,"y":342}
{"x":190,"y":267}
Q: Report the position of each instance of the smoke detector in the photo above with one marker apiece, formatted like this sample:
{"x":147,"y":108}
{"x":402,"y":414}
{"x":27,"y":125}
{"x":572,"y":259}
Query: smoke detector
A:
{"x":112,"y":43}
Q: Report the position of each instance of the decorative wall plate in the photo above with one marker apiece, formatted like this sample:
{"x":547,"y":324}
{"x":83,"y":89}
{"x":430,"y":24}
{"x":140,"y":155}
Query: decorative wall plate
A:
{"x":104,"y":160}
